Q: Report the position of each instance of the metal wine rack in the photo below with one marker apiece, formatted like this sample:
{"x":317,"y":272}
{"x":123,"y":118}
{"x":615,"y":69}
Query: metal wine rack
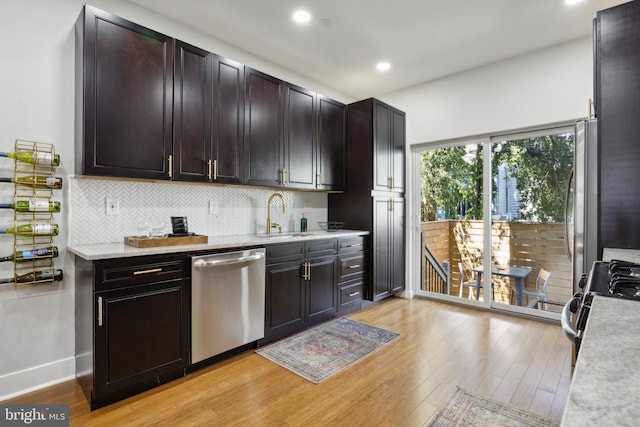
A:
{"x":25,"y":192}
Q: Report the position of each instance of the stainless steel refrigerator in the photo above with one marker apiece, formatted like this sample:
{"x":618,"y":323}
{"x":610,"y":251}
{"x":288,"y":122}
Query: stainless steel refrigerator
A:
{"x":581,"y":218}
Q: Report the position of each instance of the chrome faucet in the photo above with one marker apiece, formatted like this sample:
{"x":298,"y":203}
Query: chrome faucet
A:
{"x":271,"y":225}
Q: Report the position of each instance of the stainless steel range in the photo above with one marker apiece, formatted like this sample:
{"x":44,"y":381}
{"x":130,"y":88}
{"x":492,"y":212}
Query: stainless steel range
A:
{"x":614,"y":279}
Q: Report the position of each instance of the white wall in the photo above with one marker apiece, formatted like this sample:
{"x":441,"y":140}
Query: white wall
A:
{"x":36,"y":103}
{"x":544,"y":87}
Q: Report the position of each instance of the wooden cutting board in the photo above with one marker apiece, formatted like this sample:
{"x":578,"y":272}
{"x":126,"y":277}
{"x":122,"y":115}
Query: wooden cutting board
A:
{"x":153,"y":242}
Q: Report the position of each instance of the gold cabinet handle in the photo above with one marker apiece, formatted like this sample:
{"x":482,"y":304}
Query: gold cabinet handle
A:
{"x":209,"y":169}
{"x":215,"y":170}
{"x":170,"y":159}
{"x":285,"y":176}
{"x":153,"y":270}
{"x":306,"y":275}
{"x":354,"y":266}
{"x":391,"y":204}
{"x":353,"y":294}
{"x":319,"y":179}
{"x":355,"y":245}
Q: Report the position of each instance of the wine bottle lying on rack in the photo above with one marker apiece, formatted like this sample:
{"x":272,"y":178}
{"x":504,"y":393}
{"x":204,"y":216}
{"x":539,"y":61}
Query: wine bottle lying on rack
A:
{"x":34,"y":157}
{"x":27,"y":255}
{"x":33,"y":229}
{"x":36,"y":181}
{"x":32,"y":205}
{"x":36,"y":276}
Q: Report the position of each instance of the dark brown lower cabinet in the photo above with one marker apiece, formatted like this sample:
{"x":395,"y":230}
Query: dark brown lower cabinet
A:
{"x":301,"y":287}
{"x":133,"y":325}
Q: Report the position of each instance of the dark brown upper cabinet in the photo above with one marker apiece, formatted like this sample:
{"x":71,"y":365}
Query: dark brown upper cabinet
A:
{"x":152,"y":107}
{"x":332,"y":145}
{"x":388,"y":141}
{"x":299,"y":137}
{"x":208,"y":117}
{"x":263,"y":137}
{"x":124,"y":91}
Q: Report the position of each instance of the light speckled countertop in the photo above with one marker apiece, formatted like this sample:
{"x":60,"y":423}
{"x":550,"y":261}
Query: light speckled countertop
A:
{"x":120,"y":250}
{"x":605,"y":389}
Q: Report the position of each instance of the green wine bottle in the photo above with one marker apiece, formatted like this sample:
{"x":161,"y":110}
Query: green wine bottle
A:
{"x":32,"y":205}
{"x":36,"y":276}
{"x":37,"y":181}
{"x":34,"y":157}
{"x":33,"y":229}
{"x":31,"y":254}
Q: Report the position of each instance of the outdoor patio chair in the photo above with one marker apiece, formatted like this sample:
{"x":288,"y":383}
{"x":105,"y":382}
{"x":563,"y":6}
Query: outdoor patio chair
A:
{"x":540,"y":292}
{"x":471,"y":284}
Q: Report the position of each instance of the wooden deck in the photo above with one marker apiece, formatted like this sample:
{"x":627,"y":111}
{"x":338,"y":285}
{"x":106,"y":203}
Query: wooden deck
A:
{"x":523,"y":362}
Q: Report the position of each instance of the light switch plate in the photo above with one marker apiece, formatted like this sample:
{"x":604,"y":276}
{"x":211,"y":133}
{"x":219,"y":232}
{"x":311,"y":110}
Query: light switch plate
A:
{"x":112,"y":206}
{"x":213,"y":207}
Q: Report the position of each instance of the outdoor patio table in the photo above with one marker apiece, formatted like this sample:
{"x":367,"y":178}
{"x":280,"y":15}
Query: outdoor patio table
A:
{"x":520,"y":275}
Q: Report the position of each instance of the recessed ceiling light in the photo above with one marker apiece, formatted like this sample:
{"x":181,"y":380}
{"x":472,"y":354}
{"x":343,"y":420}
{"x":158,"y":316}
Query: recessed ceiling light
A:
{"x":572,"y":1}
{"x":301,"y":16}
{"x":383,"y":66}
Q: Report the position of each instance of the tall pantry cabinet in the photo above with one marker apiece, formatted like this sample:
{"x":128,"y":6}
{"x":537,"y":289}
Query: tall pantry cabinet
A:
{"x":617,"y":103}
{"x":374,"y":200}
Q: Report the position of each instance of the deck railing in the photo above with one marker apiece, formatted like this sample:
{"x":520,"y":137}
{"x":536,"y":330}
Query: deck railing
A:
{"x":436,"y":275}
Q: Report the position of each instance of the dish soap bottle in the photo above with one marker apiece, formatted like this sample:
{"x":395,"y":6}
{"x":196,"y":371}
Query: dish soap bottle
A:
{"x":303,"y":224}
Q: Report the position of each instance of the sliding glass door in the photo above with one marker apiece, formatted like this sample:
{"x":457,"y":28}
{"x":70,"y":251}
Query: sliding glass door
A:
{"x":489,"y":227}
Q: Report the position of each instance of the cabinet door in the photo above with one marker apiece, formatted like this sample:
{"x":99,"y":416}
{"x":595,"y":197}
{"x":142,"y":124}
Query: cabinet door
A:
{"x":284,"y":295}
{"x":396,"y":276}
{"x":299,"y":137}
{"x":126,"y":98}
{"x":332,"y":147}
{"x":228,"y":120}
{"x":381,"y":146}
{"x":382,"y":247}
{"x":321,"y":289}
{"x":397,"y":150}
{"x":191,"y":114}
{"x":617,"y":82}
{"x":263,"y":147}
{"x":141,"y":335}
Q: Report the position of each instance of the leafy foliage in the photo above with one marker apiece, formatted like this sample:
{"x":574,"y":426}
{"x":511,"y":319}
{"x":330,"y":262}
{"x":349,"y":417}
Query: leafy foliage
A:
{"x":452,"y":178}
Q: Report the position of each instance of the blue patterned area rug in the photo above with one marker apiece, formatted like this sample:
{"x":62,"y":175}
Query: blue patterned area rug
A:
{"x":468,"y":409}
{"x":318,"y":353}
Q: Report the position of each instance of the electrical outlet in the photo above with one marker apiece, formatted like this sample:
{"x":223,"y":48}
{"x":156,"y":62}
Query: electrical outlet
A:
{"x":112,"y":206}
{"x":213,"y":207}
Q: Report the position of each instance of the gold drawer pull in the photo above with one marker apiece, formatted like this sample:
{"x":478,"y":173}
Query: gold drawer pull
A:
{"x":354,"y":266}
{"x":153,"y":270}
{"x":355,"y":245}
{"x":353,"y":294}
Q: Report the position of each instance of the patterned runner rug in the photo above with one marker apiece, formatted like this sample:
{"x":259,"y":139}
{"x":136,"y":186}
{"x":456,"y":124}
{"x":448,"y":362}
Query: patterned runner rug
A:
{"x":318,"y":353}
{"x":467,"y":409}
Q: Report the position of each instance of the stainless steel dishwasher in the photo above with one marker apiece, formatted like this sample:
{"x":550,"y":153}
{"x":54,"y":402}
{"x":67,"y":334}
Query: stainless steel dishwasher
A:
{"x":227,"y":301}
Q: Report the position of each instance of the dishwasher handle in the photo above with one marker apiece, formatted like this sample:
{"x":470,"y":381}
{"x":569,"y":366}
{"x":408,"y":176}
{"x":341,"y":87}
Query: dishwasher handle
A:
{"x":212,"y":262}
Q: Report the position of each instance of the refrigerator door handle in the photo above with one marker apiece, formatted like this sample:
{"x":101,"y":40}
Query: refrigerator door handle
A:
{"x":567,"y":244}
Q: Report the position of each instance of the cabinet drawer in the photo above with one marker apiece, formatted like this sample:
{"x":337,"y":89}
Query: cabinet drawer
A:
{"x":324,"y":247}
{"x":350,"y":265}
{"x":351,"y":244}
{"x":350,"y":292}
{"x":112,"y":274}
{"x":284,"y":252}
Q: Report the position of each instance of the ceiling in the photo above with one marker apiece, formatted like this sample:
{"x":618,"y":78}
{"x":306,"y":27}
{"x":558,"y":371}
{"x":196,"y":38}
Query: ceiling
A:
{"x":422,"y":39}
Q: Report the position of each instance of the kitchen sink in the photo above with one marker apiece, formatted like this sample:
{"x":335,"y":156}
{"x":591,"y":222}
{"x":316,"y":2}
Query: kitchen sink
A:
{"x":280,"y":235}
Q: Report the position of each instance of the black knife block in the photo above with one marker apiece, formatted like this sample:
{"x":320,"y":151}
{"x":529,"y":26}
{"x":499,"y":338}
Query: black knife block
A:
{"x":180,"y":226}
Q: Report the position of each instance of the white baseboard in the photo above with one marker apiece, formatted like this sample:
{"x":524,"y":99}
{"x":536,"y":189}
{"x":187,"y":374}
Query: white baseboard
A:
{"x":17,"y":383}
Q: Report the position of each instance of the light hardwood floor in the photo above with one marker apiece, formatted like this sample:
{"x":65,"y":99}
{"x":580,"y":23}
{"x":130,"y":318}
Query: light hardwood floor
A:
{"x":522,"y":362}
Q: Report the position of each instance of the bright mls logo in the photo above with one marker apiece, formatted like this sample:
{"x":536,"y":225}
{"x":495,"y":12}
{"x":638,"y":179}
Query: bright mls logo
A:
{"x":34,"y":415}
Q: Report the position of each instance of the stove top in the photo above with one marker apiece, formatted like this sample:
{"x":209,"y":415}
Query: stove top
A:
{"x":618,"y":279}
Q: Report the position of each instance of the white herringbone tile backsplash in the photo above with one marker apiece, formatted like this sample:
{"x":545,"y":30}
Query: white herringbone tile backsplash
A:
{"x":240,"y":210}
